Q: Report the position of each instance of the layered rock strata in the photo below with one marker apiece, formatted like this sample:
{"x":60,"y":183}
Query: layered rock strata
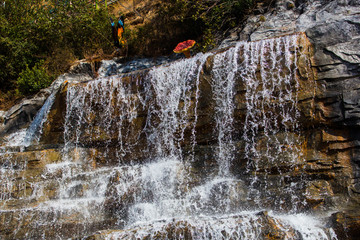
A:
{"x":290,"y":145}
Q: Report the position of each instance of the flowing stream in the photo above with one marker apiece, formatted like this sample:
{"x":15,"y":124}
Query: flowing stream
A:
{"x":130,"y":161}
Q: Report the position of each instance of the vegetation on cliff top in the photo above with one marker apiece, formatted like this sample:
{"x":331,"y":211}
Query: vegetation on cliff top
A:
{"x":179,"y":20}
{"x":45,"y":37}
{"x":40,"y":39}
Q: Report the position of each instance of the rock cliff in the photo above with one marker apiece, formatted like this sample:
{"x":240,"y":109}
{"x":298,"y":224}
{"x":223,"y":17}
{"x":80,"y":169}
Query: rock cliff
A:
{"x":268,"y":124}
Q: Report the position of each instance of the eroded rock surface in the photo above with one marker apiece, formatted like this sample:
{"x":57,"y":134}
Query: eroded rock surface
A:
{"x":294,"y":144}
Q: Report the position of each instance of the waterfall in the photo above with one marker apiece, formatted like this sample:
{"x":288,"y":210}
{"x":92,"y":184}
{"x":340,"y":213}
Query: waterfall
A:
{"x":108,"y":107}
{"x":133,"y":166}
{"x":269,"y":72}
{"x":172,"y":93}
{"x":225,"y":70}
{"x":34,"y":131}
{"x":99,"y":109}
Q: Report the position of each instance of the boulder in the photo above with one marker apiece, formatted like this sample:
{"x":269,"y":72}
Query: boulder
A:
{"x":346,"y":224}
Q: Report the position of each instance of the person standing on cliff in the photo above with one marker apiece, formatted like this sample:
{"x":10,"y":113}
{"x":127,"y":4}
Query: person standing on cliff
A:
{"x":118,"y":32}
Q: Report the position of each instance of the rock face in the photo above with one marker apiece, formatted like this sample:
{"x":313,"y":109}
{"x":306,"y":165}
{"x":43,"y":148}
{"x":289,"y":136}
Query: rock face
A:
{"x":196,"y":149}
{"x":333,"y":29}
{"x":22,"y":114}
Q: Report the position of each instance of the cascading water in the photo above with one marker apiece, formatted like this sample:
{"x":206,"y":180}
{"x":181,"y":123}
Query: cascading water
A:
{"x":224,"y":70}
{"x":168,"y":115}
{"x":34,"y":131}
{"x":130,"y":160}
{"x":271,"y":127}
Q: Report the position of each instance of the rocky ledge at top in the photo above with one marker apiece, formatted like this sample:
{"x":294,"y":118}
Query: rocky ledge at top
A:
{"x":22,"y":114}
{"x":332,"y":26}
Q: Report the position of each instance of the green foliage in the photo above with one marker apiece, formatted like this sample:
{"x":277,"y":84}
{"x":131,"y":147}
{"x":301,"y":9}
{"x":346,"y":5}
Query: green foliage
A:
{"x":207,"y":18}
{"x":32,"y":80}
{"x":180,"y":20}
{"x":59,"y":31}
{"x":36,"y":30}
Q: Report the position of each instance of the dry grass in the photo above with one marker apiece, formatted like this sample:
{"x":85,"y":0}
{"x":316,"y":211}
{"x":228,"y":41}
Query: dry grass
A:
{"x":137,"y":12}
{"x":9,"y":99}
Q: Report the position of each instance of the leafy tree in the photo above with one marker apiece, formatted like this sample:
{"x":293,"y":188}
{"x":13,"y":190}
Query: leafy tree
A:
{"x":49,"y":34}
{"x":215,"y":16}
{"x":36,"y":30}
{"x":32,"y":80}
{"x":179,"y":20}
{"x":15,"y":49}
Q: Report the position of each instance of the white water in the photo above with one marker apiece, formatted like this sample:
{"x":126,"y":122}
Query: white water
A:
{"x":225,"y":71}
{"x":246,"y":225}
{"x":163,"y":193}
{"x":172,"y":100}
{"x":34,"y":131}
{"x":15,"y":139}
{"x":269,"y":72}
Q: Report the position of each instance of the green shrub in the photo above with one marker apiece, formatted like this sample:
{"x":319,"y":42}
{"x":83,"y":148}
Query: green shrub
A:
{"x":53,"y":30}
{"x":201,"y":20}
{"x":35,"y":30}
{"x":32,"y":80}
